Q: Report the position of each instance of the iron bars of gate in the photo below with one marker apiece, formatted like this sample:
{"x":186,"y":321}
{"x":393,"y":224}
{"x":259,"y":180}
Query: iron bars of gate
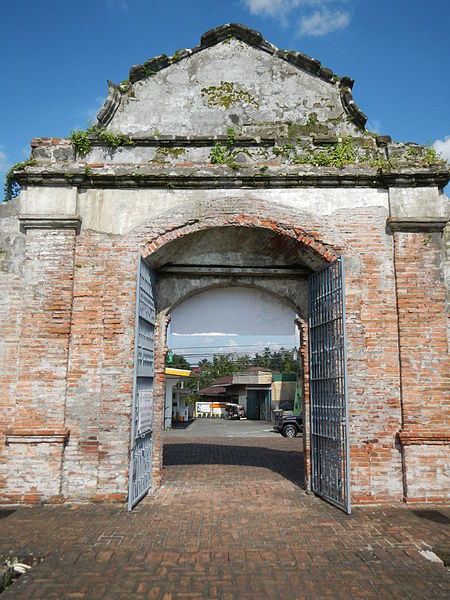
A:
{"x":328,"y":386}
{"x":140,"y":473}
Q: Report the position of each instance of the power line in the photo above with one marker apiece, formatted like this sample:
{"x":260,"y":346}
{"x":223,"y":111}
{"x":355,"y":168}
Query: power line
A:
{"x":287,"y":346}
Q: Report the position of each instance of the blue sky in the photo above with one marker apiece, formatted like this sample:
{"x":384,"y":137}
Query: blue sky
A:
{"x":55,"y":57}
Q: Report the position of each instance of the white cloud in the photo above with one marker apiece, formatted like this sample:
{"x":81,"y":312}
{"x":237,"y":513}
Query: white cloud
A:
{"x":210,"y":333}
{"x":92,"y":112}
{"x":87,"y":116}
{"x":271,"y":8}
{"x":373,"y":125}
{"x":328,"y":15}
{"x":442,"y":147}
{"x":120,"y":4}
{"x":3,"y":160}
{"x":323,"y":22}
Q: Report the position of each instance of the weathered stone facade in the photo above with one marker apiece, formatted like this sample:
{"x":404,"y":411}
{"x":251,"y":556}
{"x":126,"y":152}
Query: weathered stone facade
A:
{"x":233,"y":163}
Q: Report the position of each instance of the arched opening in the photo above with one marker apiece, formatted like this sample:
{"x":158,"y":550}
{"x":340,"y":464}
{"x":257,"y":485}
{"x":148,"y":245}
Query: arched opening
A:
{"x":238,"y":366}
{"x":268,"y":259}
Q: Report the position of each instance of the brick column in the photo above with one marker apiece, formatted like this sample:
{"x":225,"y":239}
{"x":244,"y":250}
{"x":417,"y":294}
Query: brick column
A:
{"x":36,"y":439}
{"x":424,"y":359}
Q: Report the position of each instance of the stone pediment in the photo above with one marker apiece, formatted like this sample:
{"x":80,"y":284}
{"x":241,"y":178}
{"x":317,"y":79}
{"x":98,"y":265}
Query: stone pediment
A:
{"x":234,"y":111}
{"x":234,"y":78}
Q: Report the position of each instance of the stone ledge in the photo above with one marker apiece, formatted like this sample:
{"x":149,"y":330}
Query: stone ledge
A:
{"x":49,"y":222}
{"x":412,"y":438}
{"x":417,"y":225}
{"x":184,"y":176}
{"x":21,"y":435}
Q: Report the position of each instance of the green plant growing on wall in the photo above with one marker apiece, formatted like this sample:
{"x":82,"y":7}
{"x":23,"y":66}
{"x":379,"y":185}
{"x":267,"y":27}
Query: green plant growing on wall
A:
{"x":341,"y":154}
{"x":219,"y":154}
{"x":413,"y":153}
{"x":426,"y":155}
{"x":81,"y":142}
{"x":312,"y":119}
{"x":231,"y":136}
{"x":382,"y":164}
{"x":225,"y":154}
{"x":12,"y":188}
{"x":146,"y":72}
{"x":284,"y":151}
{"x":176,"y":56}
{"x":124,"y":85}
{"x":429,"y":156}
{"x":321,"y":159}
{"x":114,"y":140}
{"x":81,"y":139}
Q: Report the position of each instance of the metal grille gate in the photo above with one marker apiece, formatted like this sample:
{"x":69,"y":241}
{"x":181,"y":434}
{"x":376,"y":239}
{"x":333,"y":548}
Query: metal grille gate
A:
{"x":140,"y":477}
{"x":328,"y":386}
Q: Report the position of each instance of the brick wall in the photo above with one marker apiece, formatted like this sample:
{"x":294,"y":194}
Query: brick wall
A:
{"x":374,"y":400}
{"x":425,"y":367}
{"x":93,"y":339}
{"x":37,"y":422}
{"x":99,"y":391}
{"x":12,"y":258}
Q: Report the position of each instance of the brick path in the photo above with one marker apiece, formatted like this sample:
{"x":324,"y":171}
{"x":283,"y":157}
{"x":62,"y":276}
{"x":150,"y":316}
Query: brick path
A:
{"x":229,"y":522}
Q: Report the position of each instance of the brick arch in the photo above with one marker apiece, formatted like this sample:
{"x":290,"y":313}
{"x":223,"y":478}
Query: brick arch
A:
{"x":309,"y":240}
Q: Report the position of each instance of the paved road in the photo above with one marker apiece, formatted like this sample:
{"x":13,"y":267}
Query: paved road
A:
{"x":230,"y":522}
{"x":222,"y":428}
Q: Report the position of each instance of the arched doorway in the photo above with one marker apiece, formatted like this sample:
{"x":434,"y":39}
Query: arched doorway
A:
{"x":287,"y":263}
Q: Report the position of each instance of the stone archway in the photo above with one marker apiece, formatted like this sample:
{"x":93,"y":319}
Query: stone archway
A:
{"x":221,"y":253}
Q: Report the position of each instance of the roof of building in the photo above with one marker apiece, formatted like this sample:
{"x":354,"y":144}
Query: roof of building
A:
{"x":212,"y":391}
{"x":225,"y":380}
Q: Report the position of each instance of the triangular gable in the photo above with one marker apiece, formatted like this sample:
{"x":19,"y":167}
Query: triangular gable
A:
{"x":234,"y":78}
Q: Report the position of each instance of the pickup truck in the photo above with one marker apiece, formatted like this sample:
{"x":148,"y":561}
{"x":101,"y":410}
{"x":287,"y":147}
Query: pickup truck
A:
{"x":287,"y":424}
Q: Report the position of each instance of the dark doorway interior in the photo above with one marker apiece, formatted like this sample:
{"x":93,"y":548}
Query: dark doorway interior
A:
{"x":258,"y":405}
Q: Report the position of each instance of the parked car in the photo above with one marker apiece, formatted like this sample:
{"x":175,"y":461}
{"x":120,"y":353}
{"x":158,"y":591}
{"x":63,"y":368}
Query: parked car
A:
{"x":287,"y":424}
{"x":234,"y":411}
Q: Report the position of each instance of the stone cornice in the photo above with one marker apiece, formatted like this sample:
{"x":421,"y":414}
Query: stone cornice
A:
{"x":49,"y":222}
{"x":250,"y":37}
{"x":408,"y":224}
{"x":189,"y":176}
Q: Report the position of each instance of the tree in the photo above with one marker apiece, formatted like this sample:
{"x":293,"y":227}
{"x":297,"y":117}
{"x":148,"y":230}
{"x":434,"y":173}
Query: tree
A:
{"x":226,"y":364}
{"x":277,"y":360}
{"x":178,"y":362}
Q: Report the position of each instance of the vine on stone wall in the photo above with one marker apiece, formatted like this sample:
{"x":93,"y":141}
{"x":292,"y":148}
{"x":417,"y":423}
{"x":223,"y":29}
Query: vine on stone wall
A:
{"x":82,"y":139}
{"x":12,"y":187}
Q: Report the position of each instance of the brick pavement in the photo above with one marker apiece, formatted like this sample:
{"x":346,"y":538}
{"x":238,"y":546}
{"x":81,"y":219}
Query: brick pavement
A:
{"x":231,"y":522}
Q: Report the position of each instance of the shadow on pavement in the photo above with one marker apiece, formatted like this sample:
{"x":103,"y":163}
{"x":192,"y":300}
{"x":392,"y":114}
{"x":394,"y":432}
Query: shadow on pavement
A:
{"x":432,"y":515}
{"x":5,"y":512}
{"x":184,"y":425}
{"x":287,"y":463}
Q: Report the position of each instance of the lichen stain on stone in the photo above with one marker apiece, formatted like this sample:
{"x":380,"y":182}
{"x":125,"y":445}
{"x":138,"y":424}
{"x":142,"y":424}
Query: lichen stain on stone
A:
{"x":311,"y":126}
{"x":226,"y":95}
{"x":162,"y":154}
